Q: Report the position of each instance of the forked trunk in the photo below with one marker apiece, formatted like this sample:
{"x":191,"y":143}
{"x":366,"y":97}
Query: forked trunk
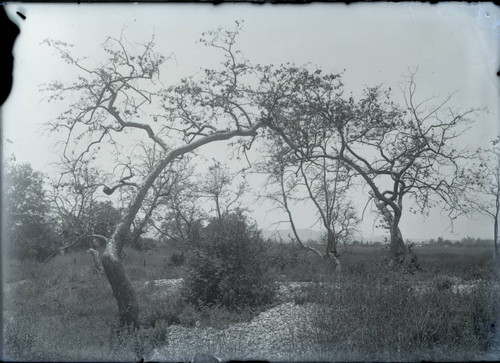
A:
{"x":397,"y":246}
{"x":331,"y":254}
{"x":401,"y":255}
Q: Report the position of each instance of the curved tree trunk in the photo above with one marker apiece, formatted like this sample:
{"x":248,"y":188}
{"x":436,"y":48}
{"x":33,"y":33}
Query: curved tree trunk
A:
{"x":398,"y":250}
{"x":397,"y":246}
{"x":128,"y":306}
{"x":124,"y":293}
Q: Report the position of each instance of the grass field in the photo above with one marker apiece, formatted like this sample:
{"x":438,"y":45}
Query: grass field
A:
{"x":63,"y":310}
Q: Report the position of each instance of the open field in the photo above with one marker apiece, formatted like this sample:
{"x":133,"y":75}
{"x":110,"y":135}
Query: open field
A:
{"x":184,"y":184}
{"x":64,"y":311}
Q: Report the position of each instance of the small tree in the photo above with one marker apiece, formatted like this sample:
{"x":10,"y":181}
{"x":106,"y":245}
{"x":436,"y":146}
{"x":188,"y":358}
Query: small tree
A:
{"x":217,"y":186}
{"x":325,"y":184}
{"x":228,"y":267}
{"x":180,"y":217}
{"x":30,"y":230}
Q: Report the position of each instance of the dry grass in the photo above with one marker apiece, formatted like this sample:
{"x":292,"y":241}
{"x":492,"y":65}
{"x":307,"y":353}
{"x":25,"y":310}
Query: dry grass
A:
{"x":63,"y":311}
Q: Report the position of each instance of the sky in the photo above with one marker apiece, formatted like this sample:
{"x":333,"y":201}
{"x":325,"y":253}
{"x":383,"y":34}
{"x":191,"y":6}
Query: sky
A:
{"x":455,"y":47}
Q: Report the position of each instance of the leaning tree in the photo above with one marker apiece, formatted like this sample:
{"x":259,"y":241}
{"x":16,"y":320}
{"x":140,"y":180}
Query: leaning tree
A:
{"x":164,"y":188}
{"x":399,"y":152}
{"x":124,"y":96}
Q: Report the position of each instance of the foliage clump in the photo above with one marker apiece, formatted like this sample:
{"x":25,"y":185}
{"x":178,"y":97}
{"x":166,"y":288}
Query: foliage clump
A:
{"x":229,"y":266}
{"x":29,"y":229}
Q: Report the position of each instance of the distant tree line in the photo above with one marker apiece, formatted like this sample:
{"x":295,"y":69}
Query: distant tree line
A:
{"x":464,"y":242}
{"x":40,"y":223}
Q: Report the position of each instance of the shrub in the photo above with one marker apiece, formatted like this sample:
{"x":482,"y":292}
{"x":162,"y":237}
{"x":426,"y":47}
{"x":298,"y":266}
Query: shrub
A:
{"x":162,"y":311}
{"x":228,"y":268}
{"x":177,"y":259}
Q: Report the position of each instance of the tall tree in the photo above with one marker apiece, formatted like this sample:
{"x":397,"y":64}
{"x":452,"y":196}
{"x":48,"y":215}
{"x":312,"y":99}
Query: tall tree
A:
{"x":400,"y":152}
{"x":123,"y":95}
{"x":486,"y":200}
{"x":323,"y":183}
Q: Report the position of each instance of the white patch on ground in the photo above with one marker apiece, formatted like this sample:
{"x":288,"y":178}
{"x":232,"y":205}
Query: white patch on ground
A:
{"x":270,"y":335}
{"x":165,"y":287}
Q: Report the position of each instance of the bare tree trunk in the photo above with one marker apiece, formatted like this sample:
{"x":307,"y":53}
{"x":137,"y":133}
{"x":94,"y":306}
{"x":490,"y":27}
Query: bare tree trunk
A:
{"x":331,"y":252}
{"x":495,"y":241}
{"x":332,"y":265}
{"x":128,"y":306}
{"x":397,"y":245}
{"x":398,"y":250}
{"x":337,"y":267}
{"x":140,"y":228}
{"x":138,"y":232}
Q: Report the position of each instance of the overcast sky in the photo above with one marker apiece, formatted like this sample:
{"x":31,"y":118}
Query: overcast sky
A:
{"x":455,"y":46}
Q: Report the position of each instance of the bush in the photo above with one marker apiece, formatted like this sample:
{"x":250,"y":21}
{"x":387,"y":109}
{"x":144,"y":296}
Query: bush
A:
{"x":29,"y":229}
{"x":38,"y":242}
{"x":177,"y":259}
{"x":228,"y":268}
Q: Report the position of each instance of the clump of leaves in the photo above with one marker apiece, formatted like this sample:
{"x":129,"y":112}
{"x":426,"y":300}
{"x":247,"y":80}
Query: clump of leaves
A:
{"x":177,"y":259}
{"x":228,"y":268}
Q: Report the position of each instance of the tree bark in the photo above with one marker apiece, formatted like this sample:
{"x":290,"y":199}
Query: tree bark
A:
{"x":128,"y":306}
{"x":398,"y":250}
{"x":140,"y":228}
{"x":495,"y":241}
{"x":397,"y":246}
{"x":337,"y":267}
{"x":124,"y":293}
{"x":331,"y":252}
